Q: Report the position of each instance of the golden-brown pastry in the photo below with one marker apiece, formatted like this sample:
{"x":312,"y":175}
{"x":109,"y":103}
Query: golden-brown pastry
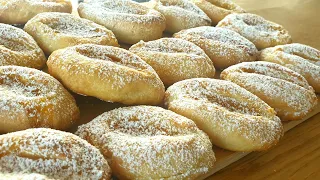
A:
{"x":283,"y":89}
{"x":54,"y":154}
{"x":258,"y":30}
{"x":20,"y":11}
{"x":129,"y":20}
{"x":218,"y":9}
{"x":234,"y":118}
{"x":108,"y":73}
{"x":147,"y":142}
{"x":223,"y":46}
{"x":180,"y":14}
{"x":300,"y":58}
{"x":19,"y":48}
{"x":31,"y":98}
{"x":23,"y":176}
{"x":175,"y":59}
{"x":54,"y":31}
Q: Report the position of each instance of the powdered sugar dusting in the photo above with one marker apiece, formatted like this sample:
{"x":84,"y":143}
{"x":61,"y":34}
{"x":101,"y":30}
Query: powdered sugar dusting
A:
{"x":261,"y":32}
{"x":302,"y":59}
{"x":53,"y":153}
{"x":227,"y":108}
{"x":108,"y":62}
{"x":175,"y":59}
{"x":150,"y":142}
{"x":184,"y":12}
{"x":23,"y":176}
{"x":18,"y":48}
{"x":119,"y":10}
{"x":169,"y":45}
{"x":230,"y":41}
{"x":225,"y":4}
{"x":68,"y":24}
{"x":39,"y":3}
{"x":26,"y":94}
{"x":272,"y":70}
{"x":223,"y":46}
{"x":303,"y":51}
{"x":183,"y":5}
{"x":276,"y":85}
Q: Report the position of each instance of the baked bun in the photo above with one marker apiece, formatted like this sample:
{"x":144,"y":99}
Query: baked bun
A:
{"x":23,"y":176}
{"x":108,"y":73}
{"x":147,"y":142}
{"x":55,"y":154}
{"x":300,"y":58}
{"x":223,"y":46}
{"x":54,"y":31}
{"x":31,"y":98}
{"x":283,"y":89}
{"x":233,"y":118}
{"x":129,"y":20}
{"x":218,"y":9}
{"x":180,"y":14}
{"x":19,"y":48}
{"x":261,"y":32}
{"x":20,"y":11}
{"x":175,"y":59}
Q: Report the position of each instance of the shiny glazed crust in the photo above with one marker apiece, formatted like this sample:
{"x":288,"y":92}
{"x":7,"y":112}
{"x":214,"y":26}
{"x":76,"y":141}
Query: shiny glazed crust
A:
{"x":283,"y":89}
{"x":54,"y":31}
{"x":108,"y":73}
{"x":19,"y":48}
{"x":31,"y":98}
{"x":51,"y":153}
{"x":21,"y":11}
{"x":147,"y":142}
{"x":174,"y":59}
{"x":233,"y":118}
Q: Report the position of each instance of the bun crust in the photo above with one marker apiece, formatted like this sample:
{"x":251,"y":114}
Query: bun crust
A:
{"x":233,"y":118}
{"x":19,"y":48}
{"x":108,"y":73}
{"x":147,"y":142}
{"x":174,"y":59}
{"x":30,"y":98}
{"x":54,"y":154}
{"x":54,"y":31}
{"x":283,"y":89}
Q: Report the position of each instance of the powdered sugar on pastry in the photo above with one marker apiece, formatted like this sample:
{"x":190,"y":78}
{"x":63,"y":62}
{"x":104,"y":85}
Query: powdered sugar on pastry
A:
{"x":174,"y":59}
{"x":106,"y":72}
{"x":55,"y":31}
{"x":129,"y":20}
{"x":224,"y":47}
{"x":146,"y":141}
{"x":283,"y":89}
{"x":218,"y":9}
{"x":20,"y":11}
{"x":31,"y":98}
{"x":233,"y":118}
{"x":300,"y":58}
{"x":53,"y":153}
{"x":255,"y":28}
{"x":18,"y":48}
{"x":180,"y":14}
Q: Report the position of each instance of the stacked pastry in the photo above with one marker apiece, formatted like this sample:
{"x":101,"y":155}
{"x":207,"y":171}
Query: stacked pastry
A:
{"x":240,"y":112}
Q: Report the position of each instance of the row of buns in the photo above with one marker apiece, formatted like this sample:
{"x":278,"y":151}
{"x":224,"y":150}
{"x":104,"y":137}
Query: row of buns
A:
{"x":240,"y":112}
